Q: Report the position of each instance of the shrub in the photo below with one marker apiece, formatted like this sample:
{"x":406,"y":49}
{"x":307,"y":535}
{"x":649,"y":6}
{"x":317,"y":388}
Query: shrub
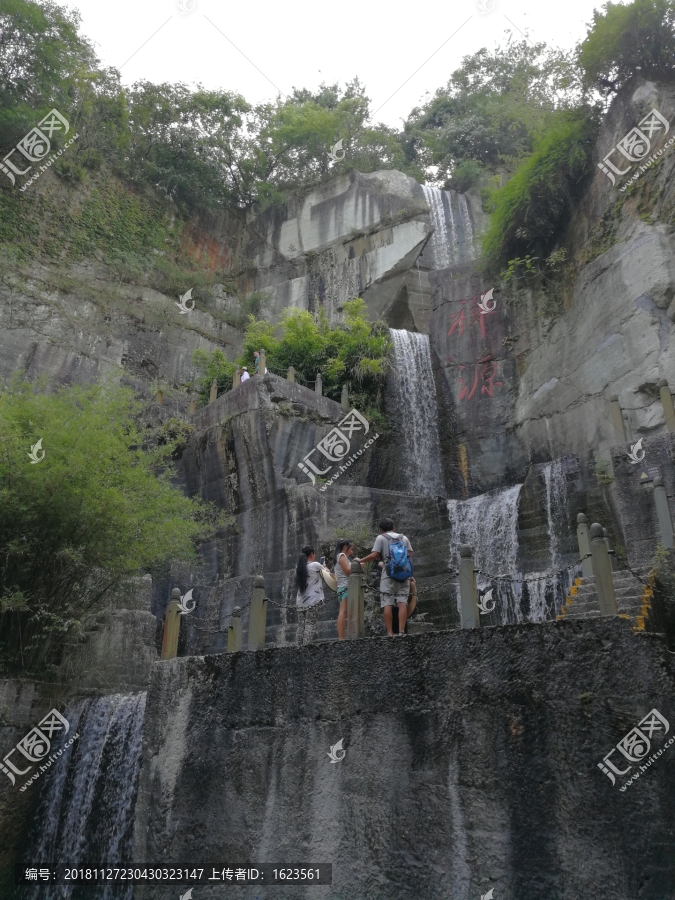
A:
{"x":532,"y":208}
{"x":96,"y":509}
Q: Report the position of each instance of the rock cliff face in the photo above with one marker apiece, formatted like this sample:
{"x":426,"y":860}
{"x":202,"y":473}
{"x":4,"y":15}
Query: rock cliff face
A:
{"x":471,"y":760}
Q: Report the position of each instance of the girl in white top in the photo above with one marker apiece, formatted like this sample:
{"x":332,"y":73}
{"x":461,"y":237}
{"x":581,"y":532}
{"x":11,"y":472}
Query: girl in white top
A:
{"x":310,"y":592}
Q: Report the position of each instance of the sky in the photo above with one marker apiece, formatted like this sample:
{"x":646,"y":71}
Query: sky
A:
{"x":260,"y":48}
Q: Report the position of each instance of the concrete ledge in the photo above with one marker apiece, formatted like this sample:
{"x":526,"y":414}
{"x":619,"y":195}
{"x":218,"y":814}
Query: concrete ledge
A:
{"x":257,"y":393}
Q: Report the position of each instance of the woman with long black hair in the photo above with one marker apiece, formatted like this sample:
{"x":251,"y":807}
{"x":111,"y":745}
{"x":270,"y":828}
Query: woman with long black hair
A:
{"x":310,"y":592}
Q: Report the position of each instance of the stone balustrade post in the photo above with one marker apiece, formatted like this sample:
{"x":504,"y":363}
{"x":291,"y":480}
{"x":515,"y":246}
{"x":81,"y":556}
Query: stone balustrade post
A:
{"x":667,"y":402}
{"x":355,"y":604}
{"x":213,"y":395}
{"x":584,"y":546}
{"x":258,"y":615}
{"x":192,"y":408}
{"x":172,"y":618}
{"x":620,"y":431}
{"x":602,"y":571}
{"x":344,"y":399}
{"x":290,"y":375}
{"x":612,"y":557}
{"x":469,"y":614}
{"x":663,"y":513}
{"x":236,"y":377}
{"x":262,"y":363}
{"x":159,"y":397}
{"x":318,"y":385}
{"x":234,"y":631}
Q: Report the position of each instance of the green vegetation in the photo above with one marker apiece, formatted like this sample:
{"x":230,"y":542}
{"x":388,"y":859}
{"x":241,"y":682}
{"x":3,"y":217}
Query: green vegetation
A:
{"x":627,"y":40}
{"x":531,"y":209}
{"x":356,"y":353}
{"x":97,"y":508}
{"x":492,"y":112}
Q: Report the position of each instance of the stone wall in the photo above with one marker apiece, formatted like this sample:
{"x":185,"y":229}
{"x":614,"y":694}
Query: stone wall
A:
{"x":471,"y":763}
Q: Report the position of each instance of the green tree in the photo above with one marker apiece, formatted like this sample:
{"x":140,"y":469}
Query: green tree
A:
{"x":492,"y":111}
{"x":98,"y":507}
{"x":43,"y":63}
{"x":623,"y":41}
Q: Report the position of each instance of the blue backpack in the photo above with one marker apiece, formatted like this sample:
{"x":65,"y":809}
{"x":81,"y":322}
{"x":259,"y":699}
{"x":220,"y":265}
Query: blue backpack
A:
{"x":398,"y":565}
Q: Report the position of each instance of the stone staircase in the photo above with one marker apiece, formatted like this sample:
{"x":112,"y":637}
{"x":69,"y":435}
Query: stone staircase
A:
{"x":633,"y":599}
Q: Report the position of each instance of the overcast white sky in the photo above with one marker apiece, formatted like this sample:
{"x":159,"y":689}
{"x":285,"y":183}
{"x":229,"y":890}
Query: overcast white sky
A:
{"x":303,"y":42}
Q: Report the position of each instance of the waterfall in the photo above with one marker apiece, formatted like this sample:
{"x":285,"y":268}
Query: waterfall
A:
{"x":420,"y":463}
{"x":86,"y":808}
{"x":452,"y":241}
{"x":546,"y":596}
{"x":489,"y":524}
{"x":439,"y":238}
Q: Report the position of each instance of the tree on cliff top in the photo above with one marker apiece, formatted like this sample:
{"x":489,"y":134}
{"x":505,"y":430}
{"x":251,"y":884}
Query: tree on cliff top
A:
{"x":96,"y":508}
{"x":494,"y":108}
{"x":42,"y":58}
{"x":623,"y":41}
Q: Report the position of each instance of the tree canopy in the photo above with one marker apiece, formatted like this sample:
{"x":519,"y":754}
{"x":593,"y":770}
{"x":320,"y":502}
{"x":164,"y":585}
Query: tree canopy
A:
{"x":623,"y":41}
{"x":98,"y":505}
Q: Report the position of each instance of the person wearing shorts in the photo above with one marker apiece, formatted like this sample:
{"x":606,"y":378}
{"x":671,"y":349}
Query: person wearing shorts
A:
{"x":392,"y":593}
{"x":344,"y":550}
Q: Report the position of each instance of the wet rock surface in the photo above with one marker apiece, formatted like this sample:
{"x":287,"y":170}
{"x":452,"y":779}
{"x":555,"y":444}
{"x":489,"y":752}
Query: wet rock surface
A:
{"x":471,"y":762}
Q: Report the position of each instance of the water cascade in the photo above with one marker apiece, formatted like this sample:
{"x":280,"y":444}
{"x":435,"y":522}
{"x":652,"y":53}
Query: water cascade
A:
{"x":545,"y":597}
{"x":489,"y":525}
{"x":86,"y":807}
{"x":452,"y":241}
{"x":415,"y":391}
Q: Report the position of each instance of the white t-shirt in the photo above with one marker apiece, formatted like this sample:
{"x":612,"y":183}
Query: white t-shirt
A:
{"x":245,"y":376}
{"x":314,"y":591}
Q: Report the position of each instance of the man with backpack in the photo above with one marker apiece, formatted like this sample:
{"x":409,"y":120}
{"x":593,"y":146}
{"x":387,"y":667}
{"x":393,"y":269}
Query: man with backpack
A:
{"x":396,"y":554}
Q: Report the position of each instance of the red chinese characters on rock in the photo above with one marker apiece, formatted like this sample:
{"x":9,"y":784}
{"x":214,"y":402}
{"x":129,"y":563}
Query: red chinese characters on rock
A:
{"x":487,"y":376}
{"x":459,"y":319}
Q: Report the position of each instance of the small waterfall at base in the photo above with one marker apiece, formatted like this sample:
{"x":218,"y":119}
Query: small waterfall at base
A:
{"x":545,"y":597}
{"x":489,"y":524}
{"x":420,"y":463}
{"x":86,"y":809}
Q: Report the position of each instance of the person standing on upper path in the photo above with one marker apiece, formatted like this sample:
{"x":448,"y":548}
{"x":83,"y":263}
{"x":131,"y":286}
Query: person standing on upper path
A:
{"x":244,"y":374}
{"x":344,"y":551}
{"x":256,"y":360}
{"x":395,"y":552}
{"x":310,"y":592}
